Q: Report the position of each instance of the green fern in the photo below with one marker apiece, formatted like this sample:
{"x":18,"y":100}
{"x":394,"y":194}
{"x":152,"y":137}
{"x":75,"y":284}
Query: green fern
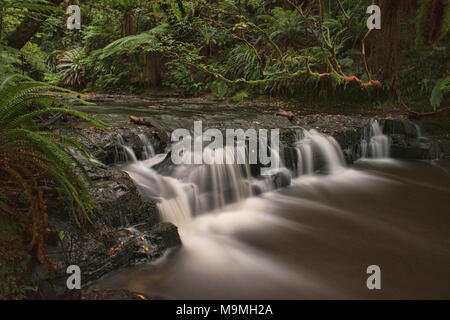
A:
{"x":437,"y":95}
{"x":32,"y":155}
{"x":131,"y":44}
{"x":243,"y":62}
{"x":71,"y":68}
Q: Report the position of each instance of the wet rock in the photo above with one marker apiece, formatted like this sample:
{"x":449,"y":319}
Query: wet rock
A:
{"x":106,"y":243}
{"x":407,"y":142}
{"x":120,"y":202}
{"x":110,"y":143}
{"x":168,"y":234}
{"x":400,"y":126}
{"x":445,"y":147}
{"x":421,"y":148}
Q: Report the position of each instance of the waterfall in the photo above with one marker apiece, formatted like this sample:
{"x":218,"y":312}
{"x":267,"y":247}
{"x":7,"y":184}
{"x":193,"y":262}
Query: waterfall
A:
{"x":123,"y":152}
{"x":314,"y":149}
{"x":216,"y":184}
{"x":187,"y":190}
{"x":418,"y":131}
{"x":148,"y":150}
{"x":177,"y":210}
{"x":374,"y":143}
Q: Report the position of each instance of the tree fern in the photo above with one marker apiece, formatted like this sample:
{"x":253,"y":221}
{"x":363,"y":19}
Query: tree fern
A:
{"x":243,"y":62}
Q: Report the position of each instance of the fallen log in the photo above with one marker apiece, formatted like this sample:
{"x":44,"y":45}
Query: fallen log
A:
{"x":287,"y":114}
{"x":140,"y":121}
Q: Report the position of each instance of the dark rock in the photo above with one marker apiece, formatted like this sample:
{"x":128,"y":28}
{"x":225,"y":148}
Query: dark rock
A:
{"x":400,"y":126}
{"x":445,"y":147}
{"x":168,"y":234}
{"x":407,"y":143}
{"x":109,"y":149}
{"x":105,"y":244}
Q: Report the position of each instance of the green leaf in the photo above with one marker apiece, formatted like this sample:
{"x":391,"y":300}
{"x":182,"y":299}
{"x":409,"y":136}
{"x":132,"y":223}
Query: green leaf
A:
{"x":437,"y":95}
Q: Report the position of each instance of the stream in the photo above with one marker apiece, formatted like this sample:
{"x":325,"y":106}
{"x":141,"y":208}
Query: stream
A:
{"x":244,"y":238}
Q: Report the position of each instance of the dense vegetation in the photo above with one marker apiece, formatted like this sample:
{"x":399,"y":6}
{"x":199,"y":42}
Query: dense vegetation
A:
{"x":311,"y":51}
{"x":316,"y":50}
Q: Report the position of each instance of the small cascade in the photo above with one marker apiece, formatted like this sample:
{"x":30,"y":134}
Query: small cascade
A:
{"x":174,"y":197}
{"x":374,"y":143}
{"x":187,"y":190}
{"x":216,"y":184}
{"x":177,"y":210}
{"x":317,"y":151}
{"x":148,"y":150}
{"x":123,"y":152}
{"x":418,"y":131}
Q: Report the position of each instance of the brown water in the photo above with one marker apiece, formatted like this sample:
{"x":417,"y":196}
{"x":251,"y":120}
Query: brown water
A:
{"x":315,"y":239}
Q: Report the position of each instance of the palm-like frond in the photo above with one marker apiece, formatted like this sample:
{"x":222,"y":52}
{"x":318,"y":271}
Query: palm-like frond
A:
{"x":243,"y":62}
{"x":130,"y":44}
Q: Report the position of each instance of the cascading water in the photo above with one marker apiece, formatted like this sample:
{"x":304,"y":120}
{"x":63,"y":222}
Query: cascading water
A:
{"x":194,"y":189}
{"x":123,"y":152}
{"x":315,"y":149}
{"x":374,"y":143}
{"x":280,"y":244}
{"x":148,"y":150}
{"x":189,"y":190}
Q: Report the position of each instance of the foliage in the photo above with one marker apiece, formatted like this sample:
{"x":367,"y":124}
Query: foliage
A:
{"x":35,"y":162}
{"x":71,"y":68}
{"x":437,"y":95}
{"x":243,"y":62}
{"x":9,"y":60}
{"x":274,"y":48}
{"x":433,"y":22}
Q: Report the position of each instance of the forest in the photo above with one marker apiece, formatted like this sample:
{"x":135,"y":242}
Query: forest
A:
{"x":318,"y":54}
{"x":313,"y":50}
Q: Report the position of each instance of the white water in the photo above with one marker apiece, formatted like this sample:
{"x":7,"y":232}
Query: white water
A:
{"x":124,"y":153}
{"x":314,"y":145}
{"x":148,"y":151}
{"x":374,"y":143}
{"x":191,"y":190}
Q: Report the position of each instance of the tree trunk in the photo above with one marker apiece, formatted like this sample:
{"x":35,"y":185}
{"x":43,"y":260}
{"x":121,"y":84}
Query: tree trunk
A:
{"x":386,"y":43}
{"x":27,"y":29}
